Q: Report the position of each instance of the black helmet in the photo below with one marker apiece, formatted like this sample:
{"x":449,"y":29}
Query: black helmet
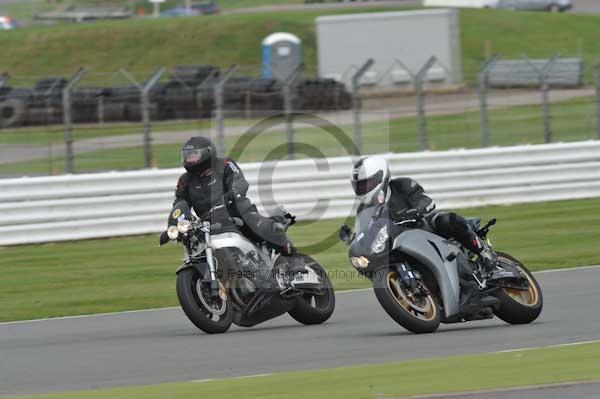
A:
{"x":196,"y":155}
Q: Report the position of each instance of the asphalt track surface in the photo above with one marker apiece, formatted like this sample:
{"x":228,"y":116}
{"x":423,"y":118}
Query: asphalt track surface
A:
{"x":155,"y":346}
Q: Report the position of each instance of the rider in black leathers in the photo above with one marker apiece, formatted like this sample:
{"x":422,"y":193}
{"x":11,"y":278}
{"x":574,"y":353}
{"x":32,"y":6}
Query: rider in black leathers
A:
{"x":407,"y":200}
{"x":211,"y":182}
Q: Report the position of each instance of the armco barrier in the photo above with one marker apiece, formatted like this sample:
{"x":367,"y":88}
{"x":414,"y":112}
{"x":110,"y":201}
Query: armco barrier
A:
{"x":71,"y":207}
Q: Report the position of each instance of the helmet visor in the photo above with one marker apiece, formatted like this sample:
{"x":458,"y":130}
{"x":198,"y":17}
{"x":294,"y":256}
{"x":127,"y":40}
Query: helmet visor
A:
{"x":363,"y":186}
{"x":195,"y":156}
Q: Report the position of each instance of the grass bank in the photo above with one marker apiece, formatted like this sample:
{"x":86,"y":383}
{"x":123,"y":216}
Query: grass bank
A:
{"x":143,"y":44}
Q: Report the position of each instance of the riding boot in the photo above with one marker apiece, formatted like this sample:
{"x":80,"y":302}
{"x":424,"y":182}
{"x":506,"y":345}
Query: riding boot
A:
{"x":486,"y":255}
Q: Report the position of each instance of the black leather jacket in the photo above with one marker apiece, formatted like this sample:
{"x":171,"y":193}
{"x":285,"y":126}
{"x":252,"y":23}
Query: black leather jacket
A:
{"x":226,"y":185}
{"x":408,"y":195}
{"x":207,"y":191}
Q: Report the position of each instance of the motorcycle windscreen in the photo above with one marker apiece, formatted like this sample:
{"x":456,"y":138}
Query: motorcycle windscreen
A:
{"x":363,"y":219}
{"x":181,"y":210}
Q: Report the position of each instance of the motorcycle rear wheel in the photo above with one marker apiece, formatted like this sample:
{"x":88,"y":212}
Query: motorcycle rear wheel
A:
{"x":211,"y":321}
{"x":315,"y":309}
{"x":420,"y":316}
{"x":517,"y":306}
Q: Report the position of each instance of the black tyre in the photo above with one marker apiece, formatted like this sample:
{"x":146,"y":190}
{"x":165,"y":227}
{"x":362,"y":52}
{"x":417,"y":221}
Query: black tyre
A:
{"x":209,"y":315}
{"x":318,"y":308}
{"x":517,"y":306}
{"x":420,"y":316}
{"x":12,"y":113}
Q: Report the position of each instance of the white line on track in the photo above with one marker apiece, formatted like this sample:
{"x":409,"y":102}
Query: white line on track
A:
{"x":177,"y":307}
{"x":566,"y":269}
{"x":232,"y":378}
{"x":549,"y":346}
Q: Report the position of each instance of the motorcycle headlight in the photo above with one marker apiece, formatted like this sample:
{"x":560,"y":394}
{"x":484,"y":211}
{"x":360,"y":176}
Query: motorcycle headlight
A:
{"x":359,"y":263}
{"x":380,"y":241}
{"x":172,"y":232}
{"x":183,"y":226}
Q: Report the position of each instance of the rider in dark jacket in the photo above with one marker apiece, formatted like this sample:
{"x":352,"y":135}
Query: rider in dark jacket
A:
{"x":407,"y":201}
{"x":215,"y":187}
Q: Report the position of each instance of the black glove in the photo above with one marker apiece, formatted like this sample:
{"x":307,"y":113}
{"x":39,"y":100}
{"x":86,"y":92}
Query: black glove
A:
{"x":345,"y":234}
{"x":291,"y":218}
{"x":230,"y":196}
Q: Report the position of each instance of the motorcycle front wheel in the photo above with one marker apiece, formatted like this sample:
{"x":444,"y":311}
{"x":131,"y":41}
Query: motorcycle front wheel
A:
{"x":211,"y":315}
{"x":418,"y":315}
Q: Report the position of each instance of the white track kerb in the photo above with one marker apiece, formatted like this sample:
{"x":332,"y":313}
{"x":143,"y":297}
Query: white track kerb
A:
{"x":73,"y":207}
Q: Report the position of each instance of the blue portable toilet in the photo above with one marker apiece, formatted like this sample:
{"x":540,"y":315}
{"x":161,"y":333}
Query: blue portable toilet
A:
{"x":282,"y":54}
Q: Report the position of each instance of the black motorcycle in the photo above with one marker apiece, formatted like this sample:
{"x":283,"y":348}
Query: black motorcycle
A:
{"x":227,"y":278}
{"x":422,"y":279}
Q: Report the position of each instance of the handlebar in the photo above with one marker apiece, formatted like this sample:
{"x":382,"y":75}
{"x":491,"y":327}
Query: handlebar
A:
{"x":407,"y":221}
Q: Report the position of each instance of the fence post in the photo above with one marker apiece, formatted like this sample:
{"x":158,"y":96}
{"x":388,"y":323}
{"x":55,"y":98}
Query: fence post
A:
{"x":146,"y":117}
{"x":145,"y":109}
{"x":101,"y":107}
{"x":199,"y":89}
{"x":68,"y":119}
{"x":419,"y":80}
{"x":545,"y":98}
{"x":357,"y":103}
{"x":3,"y":78}
{"x":484,"y":76}
{"x":248,"y":104}
{"x":218,"y":92}
{"x":289,"y":93}
{"x":597,"y":73}
{"x":545,"y":88}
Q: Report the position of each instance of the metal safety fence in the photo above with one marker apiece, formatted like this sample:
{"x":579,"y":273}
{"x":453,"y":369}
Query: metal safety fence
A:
{"x":132,"y":119}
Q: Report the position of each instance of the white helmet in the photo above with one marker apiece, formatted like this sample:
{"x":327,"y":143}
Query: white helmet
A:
{"x":370,"y":176}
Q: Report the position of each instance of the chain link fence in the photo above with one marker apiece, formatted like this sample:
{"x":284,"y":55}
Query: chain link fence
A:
{"x":138,"y":118}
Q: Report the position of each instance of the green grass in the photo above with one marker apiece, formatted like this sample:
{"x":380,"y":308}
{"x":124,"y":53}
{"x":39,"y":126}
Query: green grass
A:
{"x":390,"y":380}
{"x":143,"y":44}
{"x":572,"y":121}
{"x":54,"y":135}
{"x":117,"y":274}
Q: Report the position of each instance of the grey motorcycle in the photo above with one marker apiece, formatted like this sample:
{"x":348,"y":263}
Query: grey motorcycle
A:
{"x":226,"y":278}
{"x":422,"y":279}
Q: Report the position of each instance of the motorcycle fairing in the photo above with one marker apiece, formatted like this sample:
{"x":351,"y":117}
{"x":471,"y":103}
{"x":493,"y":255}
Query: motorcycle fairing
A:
{"x":434,"y":252}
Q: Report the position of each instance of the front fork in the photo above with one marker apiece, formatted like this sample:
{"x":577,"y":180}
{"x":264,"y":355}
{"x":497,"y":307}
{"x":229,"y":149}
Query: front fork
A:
{"x":214,"y":281}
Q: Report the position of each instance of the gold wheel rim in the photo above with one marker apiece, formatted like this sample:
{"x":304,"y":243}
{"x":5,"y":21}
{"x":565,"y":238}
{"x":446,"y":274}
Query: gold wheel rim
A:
{"x":406,"y":303}
{"x":527,"y":297}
